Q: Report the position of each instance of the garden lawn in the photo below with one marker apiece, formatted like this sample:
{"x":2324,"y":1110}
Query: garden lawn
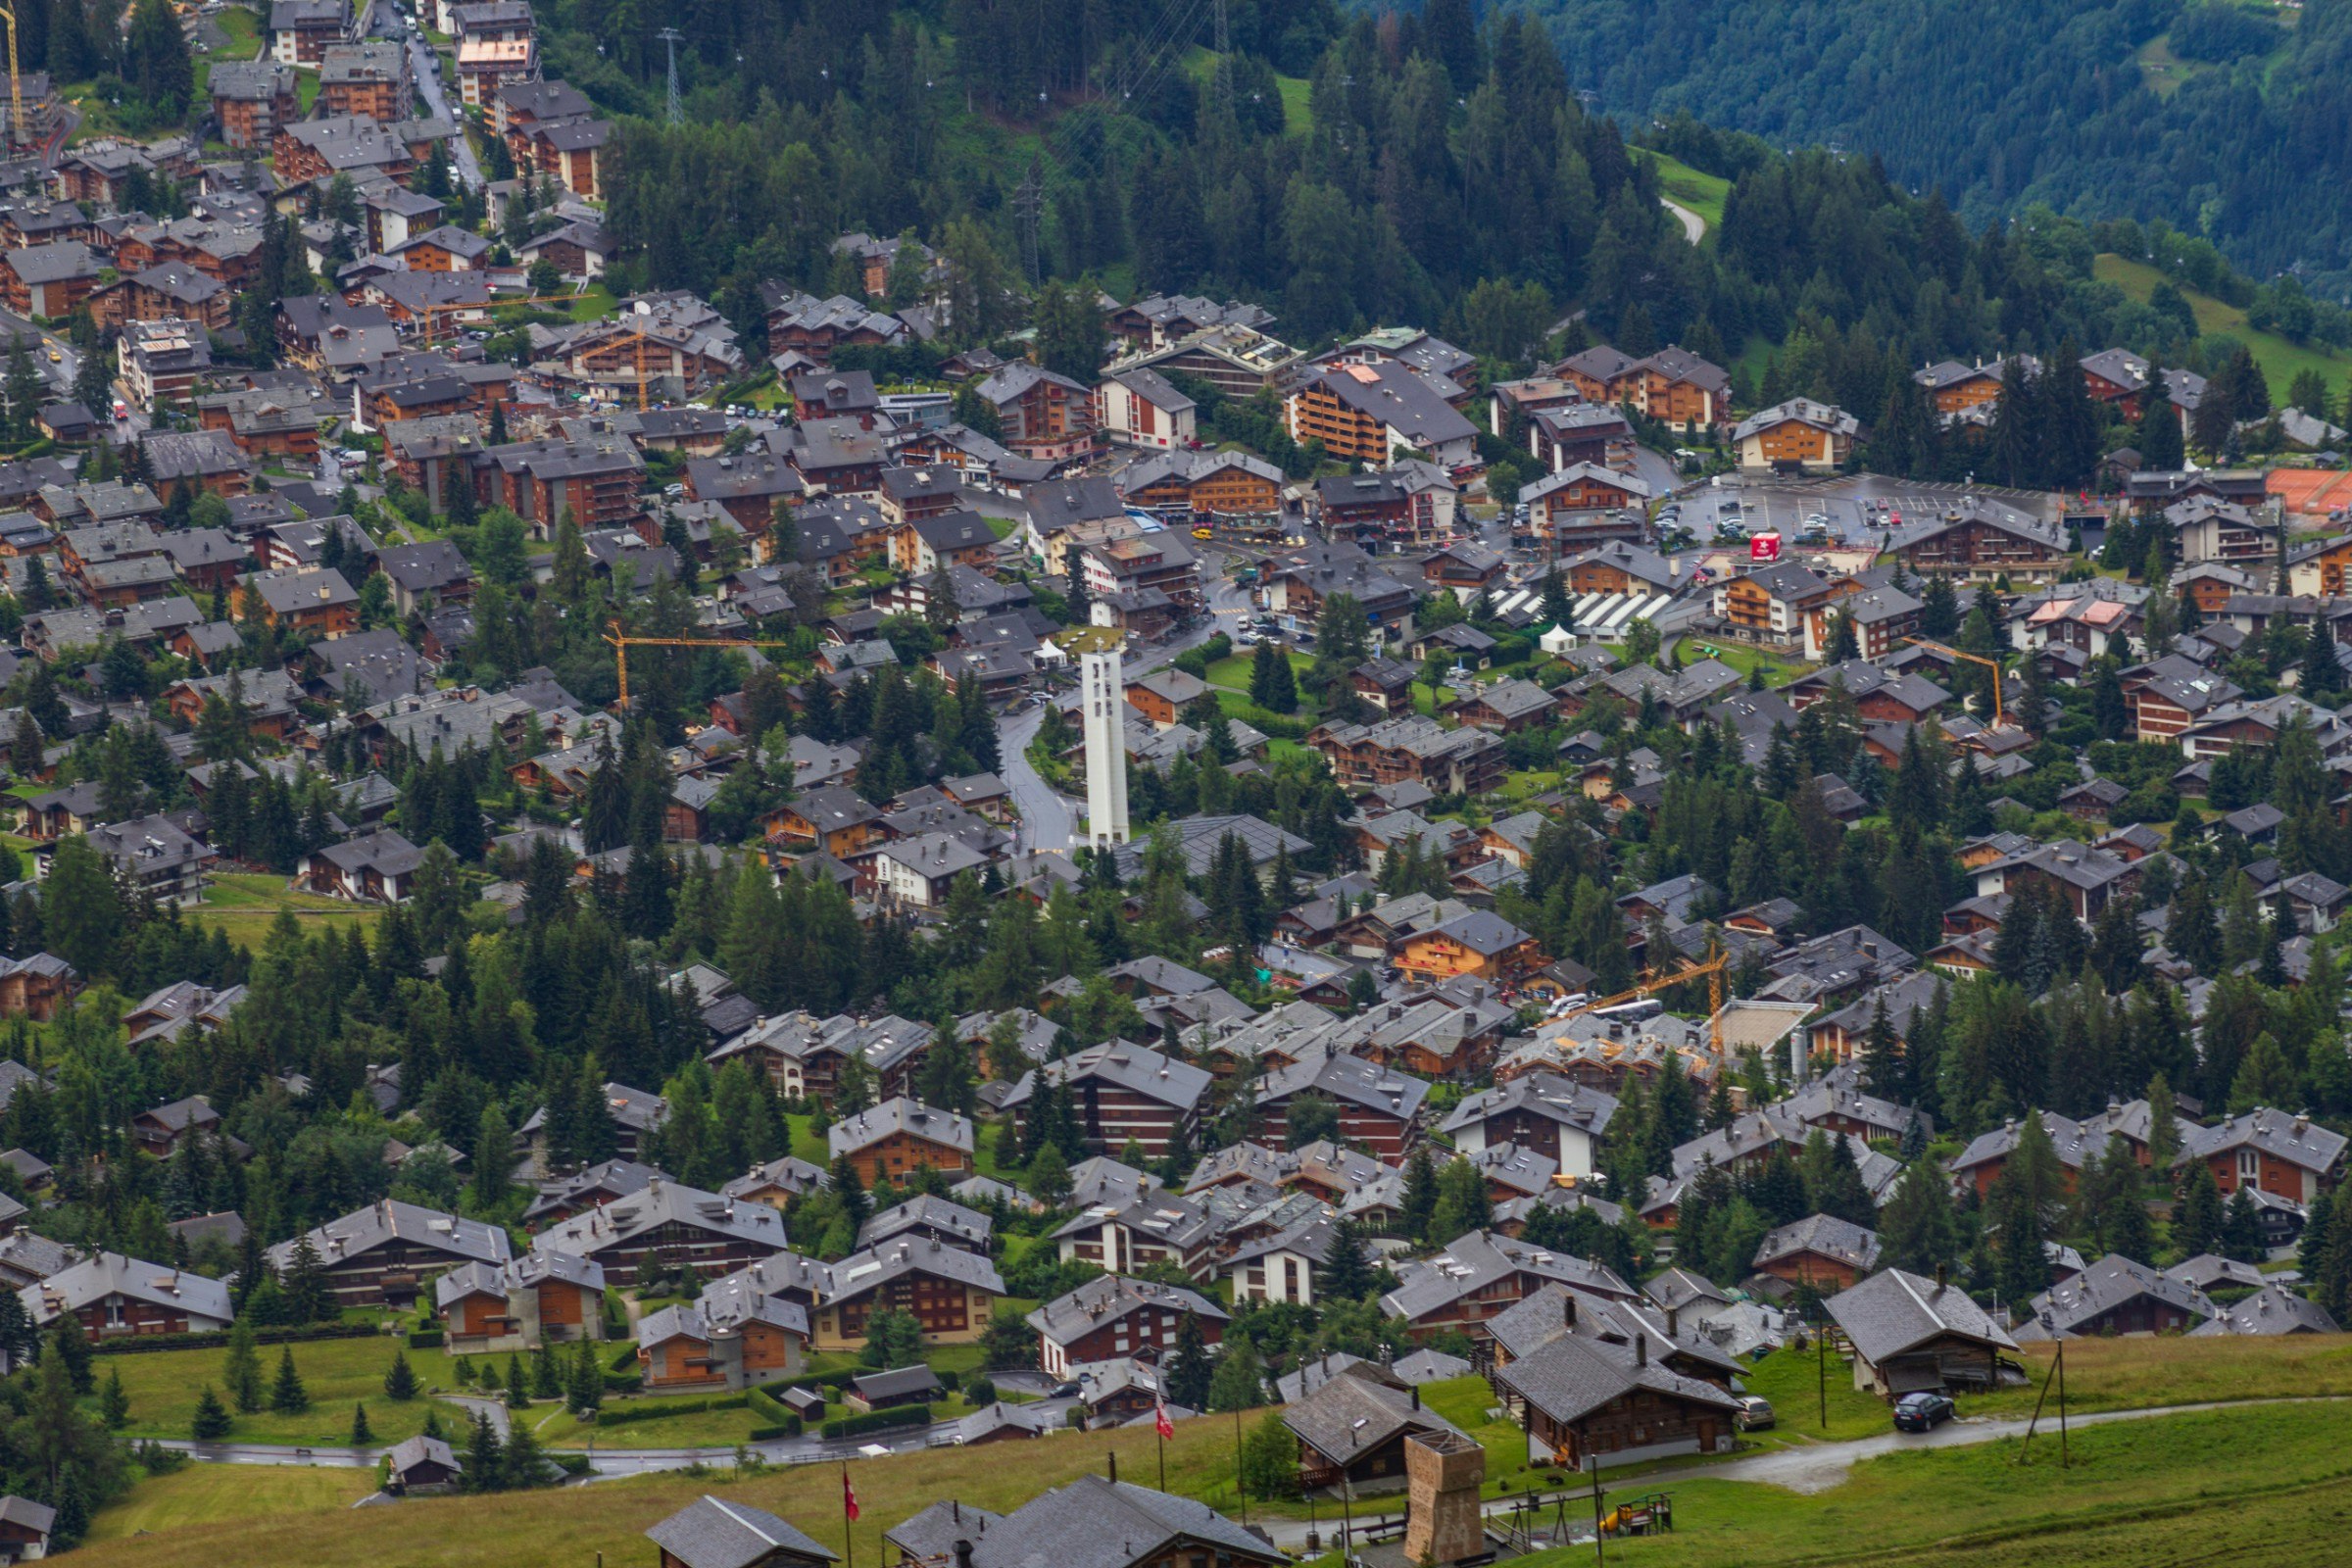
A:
{"x":1233,"y":672}
{"x":245,"y":906}
{"x":2280,"y":358}
{"x":1793,"y":1384}
{"x":163,"y":1386}
{"x":212,"y":1494}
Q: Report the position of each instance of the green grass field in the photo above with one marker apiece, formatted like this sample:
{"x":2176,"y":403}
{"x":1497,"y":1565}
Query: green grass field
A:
{"x":1703,"y":193}
{"x":1297,"y":93}
{"x":245,"y":905}
{"x":209,"y":1496}
{"x":2268,"y":1485}
{"x":162,"y":1387}
{"x":2281,"y":361}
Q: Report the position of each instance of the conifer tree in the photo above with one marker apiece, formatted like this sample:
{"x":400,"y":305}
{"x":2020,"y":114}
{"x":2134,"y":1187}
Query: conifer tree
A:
{"x":287,"y":1395}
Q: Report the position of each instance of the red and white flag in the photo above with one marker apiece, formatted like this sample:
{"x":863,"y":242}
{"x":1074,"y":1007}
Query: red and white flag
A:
{"x":1167,"y":1428}
{"x":849,"y":1497}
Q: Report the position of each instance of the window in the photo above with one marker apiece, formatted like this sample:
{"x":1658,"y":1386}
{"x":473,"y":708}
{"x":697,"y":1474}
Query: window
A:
{"x":2249,"y":1165}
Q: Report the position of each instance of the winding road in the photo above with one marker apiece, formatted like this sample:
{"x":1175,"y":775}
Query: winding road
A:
{"x":1694,"y":227}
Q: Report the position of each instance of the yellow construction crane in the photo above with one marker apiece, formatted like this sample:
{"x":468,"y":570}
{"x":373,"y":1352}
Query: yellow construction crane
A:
{"x":428,"y":312}
{"x":16,"y":84}
{"x":1711,"y":969}
{"x":623,"y":642}
{"x":2000,"y":717}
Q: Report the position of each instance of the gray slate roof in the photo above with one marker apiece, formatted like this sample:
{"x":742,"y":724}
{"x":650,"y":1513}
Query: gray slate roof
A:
{"x":712,"y":1533}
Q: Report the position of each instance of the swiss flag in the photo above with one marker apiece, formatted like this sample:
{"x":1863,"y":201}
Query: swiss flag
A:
{"x":849,"y":1497}
{"x":1167,"y":1428}
{"x":1764,"y":547}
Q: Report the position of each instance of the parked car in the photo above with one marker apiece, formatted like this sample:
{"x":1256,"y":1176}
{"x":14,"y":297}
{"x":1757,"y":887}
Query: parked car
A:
{"x":1923,"y":1412}
{"x":1756,"y":1413}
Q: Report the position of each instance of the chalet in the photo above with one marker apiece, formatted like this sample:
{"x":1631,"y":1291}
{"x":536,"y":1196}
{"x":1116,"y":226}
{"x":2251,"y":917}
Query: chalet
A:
{"x":1111,"y":1316}
{"x":1508,"y":706}
{"x":1480,"y":944}
{"x":421,"y":1465}
{"x":115,"y":1297}
{"x":1585,"y":502}
{"x":379,"y":867}
{"x":2116,"y":376}
{"x":1593,"y":1400}
{"x":1140,"y":408}
{"x":1378,"y":412}
{"x":316,"y":602}
{"x":1955,"y":388}
{"x":1673,"y":385}
{"x":1480,"y":1275}
{"x":805,"y":1057}
{"x":1210,"y":484}
{"x":2076,"y":1142}
{"x":1619,"y":568}
{"x":250,"y":99}
{"x":1543,"y":1112}
{"x":2271,"y":1152}
{"x":949,"y":1291}
{"x":891,"y":1140}
{"x":1379,"y":1109}
{"x":1121,"y":1092}
{"x":542,"y":1297}
{"x":710,"y":1532}
{"x":1775,"y":603}
{"x":2114,"y":1297}
{"x":1980,"y":541}
{"x":1042,"y":414}
{"x":730,"y":1336}
{"x":1353,"y":1427}
{"x":1412,"y":748}
{"x":1819,"y":1250}
{"x":382,"y":1255}
{"x":166,"y":1129}
{"x":1800,"y":436}
{"x":667,"y":1225}
{"x":1123,"y":1235}
{"x":1910,"y":1334}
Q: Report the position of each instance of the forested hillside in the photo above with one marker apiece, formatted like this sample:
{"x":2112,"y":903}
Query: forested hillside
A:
{"x":2224,"y":120}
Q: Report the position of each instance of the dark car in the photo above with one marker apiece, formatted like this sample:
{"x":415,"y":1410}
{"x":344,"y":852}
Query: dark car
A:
{"x":1921,"y":1413}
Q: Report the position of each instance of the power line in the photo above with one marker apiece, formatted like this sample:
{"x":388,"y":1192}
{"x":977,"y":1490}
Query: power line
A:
{"x":670,"y":36}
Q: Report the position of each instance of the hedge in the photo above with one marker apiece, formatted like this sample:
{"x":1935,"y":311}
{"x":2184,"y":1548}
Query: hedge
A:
{"x":625,"y":1415}
{"x":142,"y":1343}
{"x":853,"y":1426}
{"x":771,"y":1433}
{"x":426,"y":1339}
{"x":761,"y":1403}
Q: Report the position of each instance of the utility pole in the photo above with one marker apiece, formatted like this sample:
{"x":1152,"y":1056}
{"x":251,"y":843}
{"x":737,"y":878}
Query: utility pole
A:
{"x":1027,"y":199}
{"x":677,"y":111}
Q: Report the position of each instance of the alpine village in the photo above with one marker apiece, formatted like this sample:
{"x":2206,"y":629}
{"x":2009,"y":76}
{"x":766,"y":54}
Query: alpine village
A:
{"x":1171,"y":784}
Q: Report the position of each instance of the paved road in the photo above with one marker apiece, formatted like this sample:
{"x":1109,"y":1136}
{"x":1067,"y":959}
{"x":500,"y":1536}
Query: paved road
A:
{"x":1695,"y":226}
{"x":1049,"y":819}
{"x":425,"y":67}
{"x":1820,"y":1466}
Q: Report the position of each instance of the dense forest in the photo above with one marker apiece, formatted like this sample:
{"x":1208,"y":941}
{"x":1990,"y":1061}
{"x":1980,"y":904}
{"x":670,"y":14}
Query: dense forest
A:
{"x":2246,"y":139}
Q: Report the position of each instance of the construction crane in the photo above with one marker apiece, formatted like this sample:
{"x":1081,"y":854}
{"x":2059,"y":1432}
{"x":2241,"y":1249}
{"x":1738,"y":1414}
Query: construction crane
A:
{"x":1711,"y":969}
{"x":16,"y":84}
{"x":623,"y":642}
{"x":2000,"y":717}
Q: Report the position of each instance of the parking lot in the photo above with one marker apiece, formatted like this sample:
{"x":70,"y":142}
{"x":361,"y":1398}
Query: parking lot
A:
{"x":1861,"y":510}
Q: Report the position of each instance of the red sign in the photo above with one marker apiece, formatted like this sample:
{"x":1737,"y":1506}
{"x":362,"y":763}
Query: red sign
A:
{"x":1764,"y":547}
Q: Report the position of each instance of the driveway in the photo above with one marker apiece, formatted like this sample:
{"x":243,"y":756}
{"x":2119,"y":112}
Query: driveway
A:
{"x":1694,"y":227}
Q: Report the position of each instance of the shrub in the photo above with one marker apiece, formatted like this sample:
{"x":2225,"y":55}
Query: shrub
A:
{"x":852,"y":1426}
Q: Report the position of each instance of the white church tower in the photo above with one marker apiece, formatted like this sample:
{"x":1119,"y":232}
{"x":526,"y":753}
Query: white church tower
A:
{"x":1104,"y":713}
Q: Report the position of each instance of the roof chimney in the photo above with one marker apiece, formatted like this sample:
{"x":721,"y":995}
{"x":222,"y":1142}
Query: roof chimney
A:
{"x":1943,"y":1274}
{"x":963,"y":1549}
{"x":1415,"y":1390}
{"x":1641,"y":1350}
{"x":1113,"y":1456}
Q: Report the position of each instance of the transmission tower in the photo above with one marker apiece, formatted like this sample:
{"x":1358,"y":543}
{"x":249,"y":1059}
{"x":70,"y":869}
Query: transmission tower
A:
{"x":1027,"y":198}
{"x":678,"y":109}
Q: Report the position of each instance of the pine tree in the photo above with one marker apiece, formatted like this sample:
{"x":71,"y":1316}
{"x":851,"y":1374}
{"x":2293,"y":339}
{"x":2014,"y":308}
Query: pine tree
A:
{"x":400,"y":1383}
{"x":1346,"y":1272}
{"x":243,"y":1373}
{"x":287,"y":1395}
{"x":2242,"y":1228}
{"x":484,"y":1468}
{"x":1420,"y":1195}
{"x":113,"y":1406}
{"x":1190,"y":1368}
{"x":2198,"y":1218}
{"x":212,"y":1421}
{"x":361,"y":1435}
